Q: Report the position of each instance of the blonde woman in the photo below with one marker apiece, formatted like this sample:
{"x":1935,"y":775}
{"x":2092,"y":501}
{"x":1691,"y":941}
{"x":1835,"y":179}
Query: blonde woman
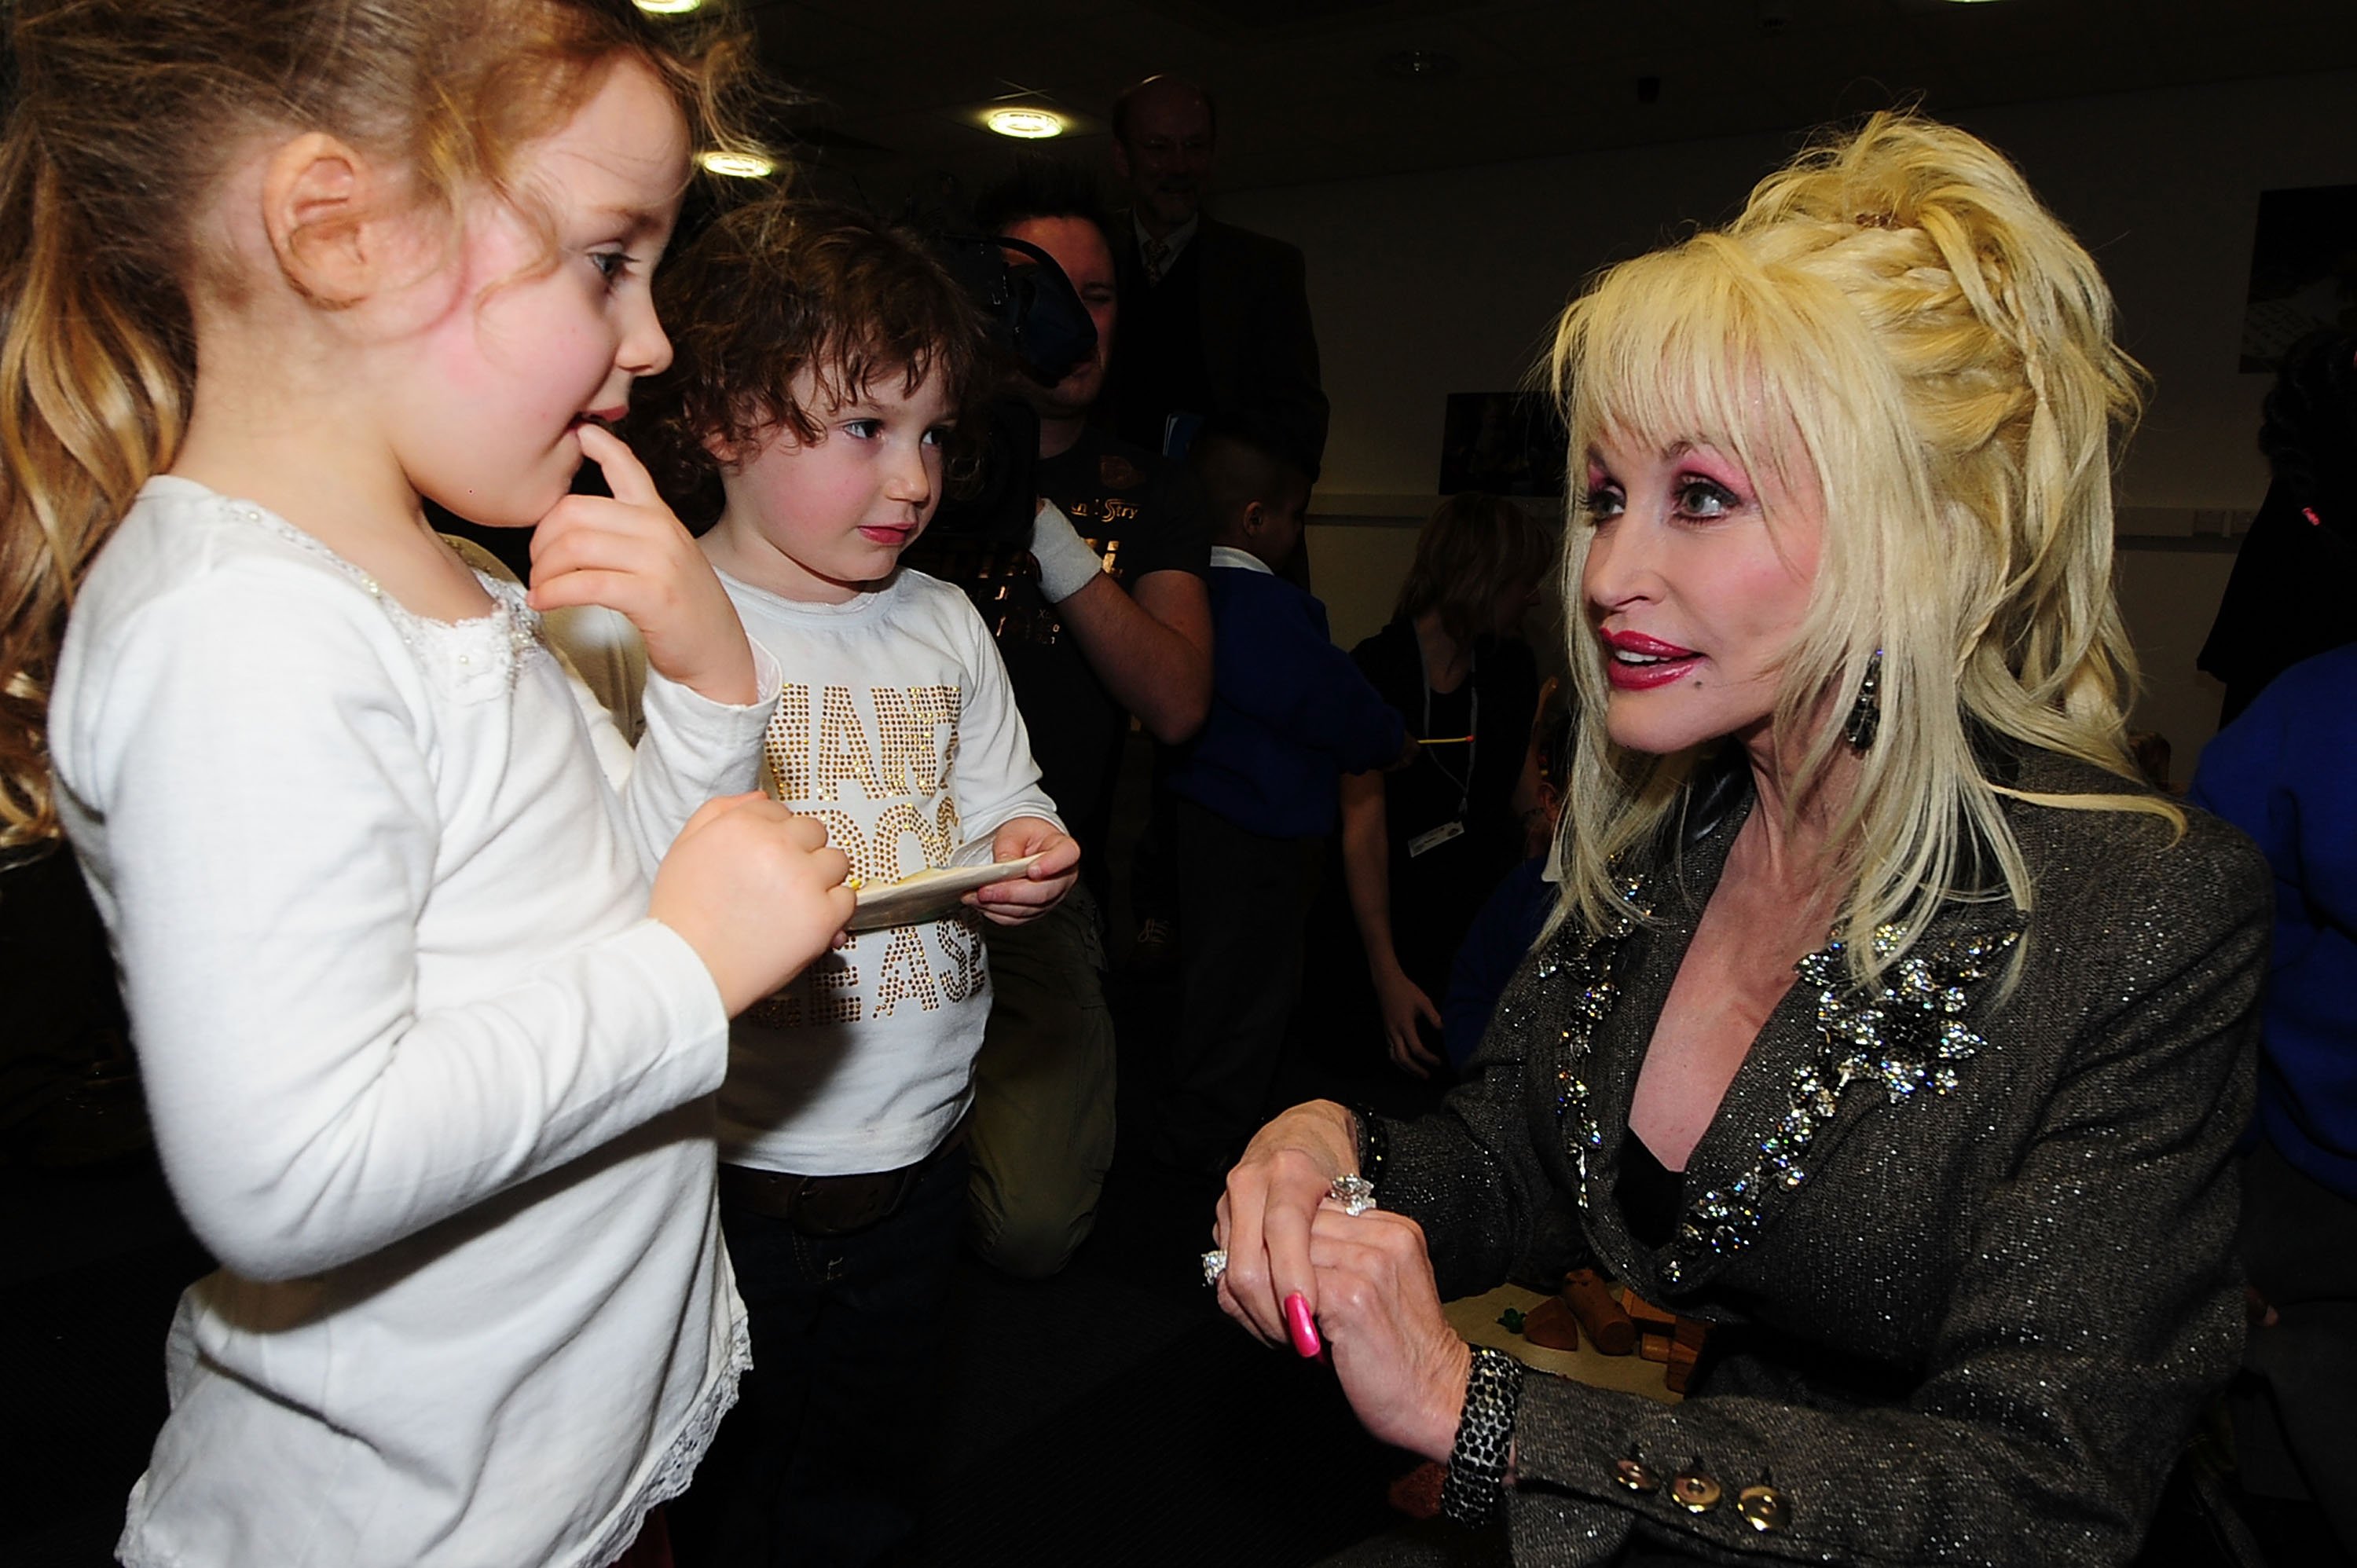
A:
{"x":1888,"y":1024}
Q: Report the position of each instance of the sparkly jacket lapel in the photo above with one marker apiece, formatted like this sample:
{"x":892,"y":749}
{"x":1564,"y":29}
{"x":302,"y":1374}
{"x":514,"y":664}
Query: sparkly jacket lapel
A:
{"x":1830,"y":1057}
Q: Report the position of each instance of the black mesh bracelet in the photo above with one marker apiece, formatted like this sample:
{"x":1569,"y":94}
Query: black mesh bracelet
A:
{"x":1374,"y":1143}
{"x":1476,"y":1483}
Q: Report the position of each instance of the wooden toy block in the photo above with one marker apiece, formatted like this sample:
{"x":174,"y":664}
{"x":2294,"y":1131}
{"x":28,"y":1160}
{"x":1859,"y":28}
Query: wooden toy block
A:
{"x":1590,"y":1300}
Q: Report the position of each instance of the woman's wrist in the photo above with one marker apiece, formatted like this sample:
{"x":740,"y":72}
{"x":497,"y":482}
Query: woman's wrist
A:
{"x":1448,"y":1416}
{"x":1321,"y":1130}
{"x":1345,"y":1123}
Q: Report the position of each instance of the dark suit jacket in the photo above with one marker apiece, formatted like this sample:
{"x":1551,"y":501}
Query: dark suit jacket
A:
{"x":1258,"y":344}
{"x":1969,"y":1253}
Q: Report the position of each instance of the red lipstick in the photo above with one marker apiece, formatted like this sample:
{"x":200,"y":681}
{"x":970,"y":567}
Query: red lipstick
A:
{"x":1635,"y":663}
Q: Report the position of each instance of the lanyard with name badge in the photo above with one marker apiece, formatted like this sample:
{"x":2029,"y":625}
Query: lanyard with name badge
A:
{"x":1455,"y":828}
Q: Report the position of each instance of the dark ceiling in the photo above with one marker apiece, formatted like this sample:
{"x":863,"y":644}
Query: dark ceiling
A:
{"x":1319,"y":90}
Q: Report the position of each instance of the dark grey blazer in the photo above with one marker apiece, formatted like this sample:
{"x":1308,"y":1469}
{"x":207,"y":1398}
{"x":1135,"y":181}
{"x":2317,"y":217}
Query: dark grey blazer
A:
{"x":1969,"y":1255}
{"x":1259,"y":346}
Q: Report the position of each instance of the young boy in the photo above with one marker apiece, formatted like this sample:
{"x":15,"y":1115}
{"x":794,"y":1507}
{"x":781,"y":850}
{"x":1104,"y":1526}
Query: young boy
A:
{"x":823,"y":361}
{"x":1254,"y":798}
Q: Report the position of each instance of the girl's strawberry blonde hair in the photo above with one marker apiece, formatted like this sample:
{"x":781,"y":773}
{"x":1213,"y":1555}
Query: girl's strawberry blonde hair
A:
{"x":126,"y":117}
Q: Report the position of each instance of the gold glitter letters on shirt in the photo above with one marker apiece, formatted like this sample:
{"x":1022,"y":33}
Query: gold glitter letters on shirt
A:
{"x":876,"y":856}
{"x":825,"y":993}
{"x":917,"y":756}
{"x":935,"y":842}
{"x":960,"y":941}
{"x":905,"y":973}
{"x":903,"y":760}
{"x":786,"y":746}
{"x":906,"y":718}
{"x":842,"y":752}
{"x":874,"y":862}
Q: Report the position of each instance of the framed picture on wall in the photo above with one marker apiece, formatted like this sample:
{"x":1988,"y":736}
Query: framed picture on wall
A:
{"x":2303,"y":269}
{"x":1509,"y":444}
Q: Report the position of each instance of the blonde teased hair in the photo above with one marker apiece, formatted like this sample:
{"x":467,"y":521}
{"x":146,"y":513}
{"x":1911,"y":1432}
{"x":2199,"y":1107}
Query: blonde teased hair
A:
{"x":1896,"y":324}
{"x":124,"y":115}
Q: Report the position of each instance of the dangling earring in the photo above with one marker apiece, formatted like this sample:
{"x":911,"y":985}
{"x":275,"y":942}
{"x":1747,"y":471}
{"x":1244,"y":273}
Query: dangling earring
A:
{"x":1865,"y":714}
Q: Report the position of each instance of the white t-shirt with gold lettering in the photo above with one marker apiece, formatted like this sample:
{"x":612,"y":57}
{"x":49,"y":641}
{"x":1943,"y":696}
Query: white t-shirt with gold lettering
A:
{"x":896,"y":727}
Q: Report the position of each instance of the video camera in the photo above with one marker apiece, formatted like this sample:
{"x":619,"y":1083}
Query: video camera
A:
{"x":1035,"y":319}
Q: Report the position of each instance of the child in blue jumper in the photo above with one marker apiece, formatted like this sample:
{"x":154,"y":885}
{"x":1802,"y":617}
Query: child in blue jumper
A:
{"x":2285,"y":771}
{"x":1254,"y":798}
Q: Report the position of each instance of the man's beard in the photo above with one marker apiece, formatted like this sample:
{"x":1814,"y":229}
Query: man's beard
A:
{"x":1062,"y":400}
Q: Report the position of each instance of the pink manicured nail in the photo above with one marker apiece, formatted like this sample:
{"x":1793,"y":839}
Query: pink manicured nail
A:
{"x":1301,"y":1325}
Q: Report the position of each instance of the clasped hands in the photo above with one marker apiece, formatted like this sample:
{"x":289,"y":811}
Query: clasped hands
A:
{"x":1367,"y":1279}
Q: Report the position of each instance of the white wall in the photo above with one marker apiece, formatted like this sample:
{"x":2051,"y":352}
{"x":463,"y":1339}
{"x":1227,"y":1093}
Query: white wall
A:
{"x":1425,"y":284}
{"x":1357,"y":569}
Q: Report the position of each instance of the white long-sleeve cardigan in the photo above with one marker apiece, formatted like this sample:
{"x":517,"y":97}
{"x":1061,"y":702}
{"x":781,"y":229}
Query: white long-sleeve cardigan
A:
{"x":425,"y":1076}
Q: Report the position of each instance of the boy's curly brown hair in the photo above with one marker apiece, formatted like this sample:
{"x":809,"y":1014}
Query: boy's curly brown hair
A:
{"x":780,"y":286}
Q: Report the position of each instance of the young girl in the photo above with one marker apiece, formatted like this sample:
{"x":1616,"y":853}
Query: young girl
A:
{"x":427,"y":1051}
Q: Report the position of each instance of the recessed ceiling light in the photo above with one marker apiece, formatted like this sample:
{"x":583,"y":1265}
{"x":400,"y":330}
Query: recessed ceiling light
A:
{"x":738,"y":166}
{"x":667,"y":7}
{"x":1030,"y":124}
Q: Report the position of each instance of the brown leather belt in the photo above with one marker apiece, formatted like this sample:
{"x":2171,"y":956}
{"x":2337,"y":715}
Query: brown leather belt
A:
{"x":829,"y":1205}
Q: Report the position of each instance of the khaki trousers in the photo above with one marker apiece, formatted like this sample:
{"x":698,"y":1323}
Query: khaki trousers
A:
{"x":1040,"y":1137}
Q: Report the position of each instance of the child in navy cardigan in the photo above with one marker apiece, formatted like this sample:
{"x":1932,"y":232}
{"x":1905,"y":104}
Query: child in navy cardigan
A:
{"x":1254,"y":798}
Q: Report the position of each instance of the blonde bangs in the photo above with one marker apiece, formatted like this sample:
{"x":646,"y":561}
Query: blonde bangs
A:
{"x":1702,"y":347}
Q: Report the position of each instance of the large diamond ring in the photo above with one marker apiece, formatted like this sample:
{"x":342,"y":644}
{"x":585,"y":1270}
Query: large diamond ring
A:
{"x":1356,"y":1194}
{"x":1215,"y":1263}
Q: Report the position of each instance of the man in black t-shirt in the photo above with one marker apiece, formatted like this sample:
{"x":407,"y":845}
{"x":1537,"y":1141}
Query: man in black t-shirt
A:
{"x":1143,"y":516}
{"x":1105,"y":615}
{"x":1138,"y":518}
